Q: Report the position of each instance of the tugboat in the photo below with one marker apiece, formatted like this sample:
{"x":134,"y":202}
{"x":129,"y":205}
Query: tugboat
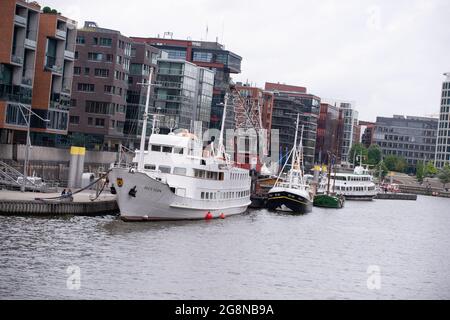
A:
{"x":329,"y":199}
{"x":293,"y":194}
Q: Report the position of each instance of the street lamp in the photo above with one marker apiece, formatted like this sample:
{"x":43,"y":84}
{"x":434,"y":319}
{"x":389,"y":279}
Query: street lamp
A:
{"x":27,"y":119}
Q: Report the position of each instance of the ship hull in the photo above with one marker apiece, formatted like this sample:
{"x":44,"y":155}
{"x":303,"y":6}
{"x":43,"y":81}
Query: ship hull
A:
{"x":143,"y":198}
{"x":295,"y":203}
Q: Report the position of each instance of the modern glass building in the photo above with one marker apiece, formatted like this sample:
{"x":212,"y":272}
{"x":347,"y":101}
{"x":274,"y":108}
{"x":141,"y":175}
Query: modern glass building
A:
{"x":288,"y":102}
{"x":210,"y":55}
{"x":183,"y":95}
{"x":443,"y":136}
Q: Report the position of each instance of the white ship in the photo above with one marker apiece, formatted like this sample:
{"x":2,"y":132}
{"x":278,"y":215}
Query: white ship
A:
{"x":358,"y":185}
{"x":177,"y":180}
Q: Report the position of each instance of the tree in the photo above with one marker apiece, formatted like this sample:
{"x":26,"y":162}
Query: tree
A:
{"x":420,"y":172}
{"x":401,"y":165}
{"x":444,"y":175}
{"x":430,"y":170}
{"x":394,"y":163}
{"x":47,"y":10}
{"x":381,"y":170}
{"x":374,"y":154}
{"x":355,"y":154}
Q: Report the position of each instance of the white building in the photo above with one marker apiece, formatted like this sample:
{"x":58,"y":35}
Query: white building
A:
{"x":350,"y":123}
{"x":443,"y":138}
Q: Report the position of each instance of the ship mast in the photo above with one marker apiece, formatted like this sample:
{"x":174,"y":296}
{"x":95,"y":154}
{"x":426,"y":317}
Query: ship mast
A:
{"x":144,"y":125}
{"x":294,"y":151}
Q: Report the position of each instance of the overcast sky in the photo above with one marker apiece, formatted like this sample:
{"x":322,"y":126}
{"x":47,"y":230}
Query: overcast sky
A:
{"x":387,"y":56}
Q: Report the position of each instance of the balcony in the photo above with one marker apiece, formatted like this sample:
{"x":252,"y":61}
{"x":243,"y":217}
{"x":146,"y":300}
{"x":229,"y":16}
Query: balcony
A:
{"x":30,"y":44}
{"x":21,"y":21}
{"x":54,"y":65}
{"x":15,"y":59}
{"x":27,"y":81}
{"x":169,"y":84}
{"x":61,"y":34}
{"x":59,"y":101}
{"x":168,"y":71}
{"x":15,"y":93}
{"x":69,"y":55}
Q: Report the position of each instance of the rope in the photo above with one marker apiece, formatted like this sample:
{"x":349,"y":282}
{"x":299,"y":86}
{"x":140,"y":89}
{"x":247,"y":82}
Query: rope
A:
{"x":87,"y":187}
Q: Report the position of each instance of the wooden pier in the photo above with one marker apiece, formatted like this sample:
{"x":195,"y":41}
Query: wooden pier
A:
{"x":17,"y":203}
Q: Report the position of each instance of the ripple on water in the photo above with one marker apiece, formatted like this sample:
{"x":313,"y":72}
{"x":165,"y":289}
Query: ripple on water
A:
{"x":259,"y":255}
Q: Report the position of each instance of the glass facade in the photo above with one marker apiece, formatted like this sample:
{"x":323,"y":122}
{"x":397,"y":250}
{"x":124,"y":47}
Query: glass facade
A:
{"x":183,"y":94}
{"x":442,"y":155}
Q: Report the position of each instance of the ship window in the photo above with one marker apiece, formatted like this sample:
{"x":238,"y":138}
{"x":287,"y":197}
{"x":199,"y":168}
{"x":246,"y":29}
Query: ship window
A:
{"x":150,"y":167}
{"x":156,"y":148}
{"x":166,"y":149}
{"x":179,"y":171}
{"x":164,"y":169}
{"x":178,"y":150}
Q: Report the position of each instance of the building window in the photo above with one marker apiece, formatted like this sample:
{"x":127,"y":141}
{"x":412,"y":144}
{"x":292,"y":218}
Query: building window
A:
{"x":74,"y":120}
{"x":73,"y":102}
{"x":97,"y":107}
{"x":95,"y":56}
{"x":76,"y":55}
{"x":86,"y":87}
{"x":109,"y":58}
{"x":103,"y":73}
{"x":77,"y":71}
{"x":81,"y":40}
{"x":99,"y":122}
{"x":86,"y":71}
{"x":106,"y":42}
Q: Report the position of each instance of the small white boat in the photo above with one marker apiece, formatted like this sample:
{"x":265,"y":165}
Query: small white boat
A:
{"x":358,"y":185}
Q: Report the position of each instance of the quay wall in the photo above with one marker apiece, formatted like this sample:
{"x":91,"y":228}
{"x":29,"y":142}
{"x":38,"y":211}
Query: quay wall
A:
{"x":36,"y":208}
{"x":52,"y":164}
{"x":424,"y":191}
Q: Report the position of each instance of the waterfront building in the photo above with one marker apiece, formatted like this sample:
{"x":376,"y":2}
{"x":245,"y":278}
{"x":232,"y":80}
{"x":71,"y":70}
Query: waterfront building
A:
{"x":36,"y":63}
{"x":412,"y":138}
{"x":18,"y":33}
{"x":101,"y":75}
{"x":52,"y":88}
{"x":368,"y":131}
{"x":327,"y":133}
{"x":210,"y":55}
{"x":143,"y":57}
{"x":288,"y":102}
{"x":183,"y":94}
{"x":443,"y":136}
{"x":348,"y":128}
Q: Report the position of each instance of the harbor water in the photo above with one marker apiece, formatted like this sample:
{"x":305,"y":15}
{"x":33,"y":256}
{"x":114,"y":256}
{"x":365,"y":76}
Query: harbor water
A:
{"x":369,"y":250}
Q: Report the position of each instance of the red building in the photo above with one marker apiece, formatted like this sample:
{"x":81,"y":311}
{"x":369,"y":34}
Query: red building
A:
{"x":327,"y":132}
{"x":368,"y":129}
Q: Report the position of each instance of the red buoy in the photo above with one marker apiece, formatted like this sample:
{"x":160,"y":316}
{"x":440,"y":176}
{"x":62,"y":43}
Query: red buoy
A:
{"x":208,"y":216}
{"x":222,"y":216}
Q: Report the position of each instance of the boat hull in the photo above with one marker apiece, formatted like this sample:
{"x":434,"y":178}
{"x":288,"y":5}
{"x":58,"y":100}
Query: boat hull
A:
{"x":294,"y":202}
{"x":329,"y":201}
{"x":153,"y":200}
